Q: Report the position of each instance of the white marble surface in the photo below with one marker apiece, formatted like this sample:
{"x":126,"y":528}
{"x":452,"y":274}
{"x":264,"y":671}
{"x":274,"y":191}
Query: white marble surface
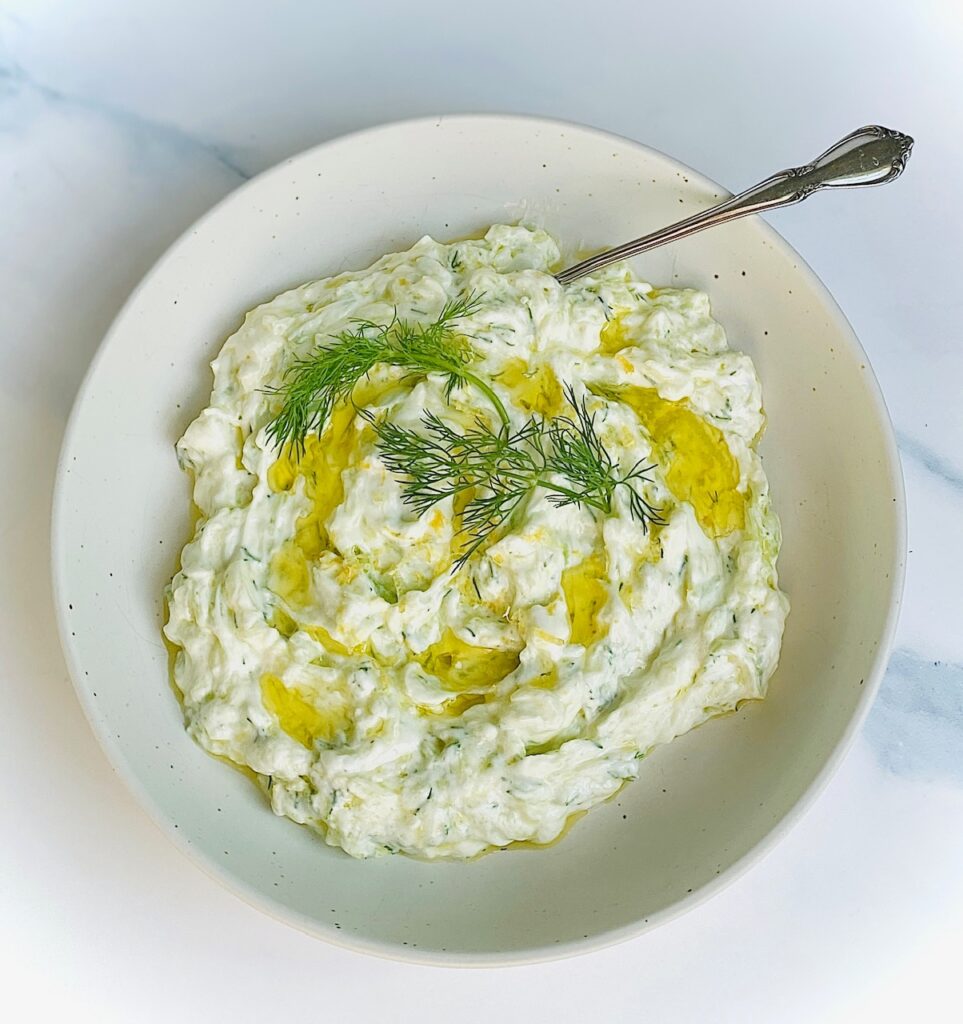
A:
{"x":120,"y":123}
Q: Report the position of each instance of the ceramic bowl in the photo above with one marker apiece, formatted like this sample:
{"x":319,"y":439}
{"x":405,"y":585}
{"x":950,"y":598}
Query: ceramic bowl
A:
{"x":706,"y":806}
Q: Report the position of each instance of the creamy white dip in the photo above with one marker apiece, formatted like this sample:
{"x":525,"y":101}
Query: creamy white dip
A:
{"x":398,"y":706}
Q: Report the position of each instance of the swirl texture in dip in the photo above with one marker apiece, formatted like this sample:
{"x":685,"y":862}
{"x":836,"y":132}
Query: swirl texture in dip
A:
{"x":399,"y":705}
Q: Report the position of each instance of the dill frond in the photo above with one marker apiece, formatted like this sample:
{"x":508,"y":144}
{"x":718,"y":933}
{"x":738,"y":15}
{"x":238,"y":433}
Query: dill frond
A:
{"x":564,"y":456}
{"x":312,"y":386}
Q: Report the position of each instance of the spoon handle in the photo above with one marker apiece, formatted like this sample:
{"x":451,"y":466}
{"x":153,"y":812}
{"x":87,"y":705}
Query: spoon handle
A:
{"x":868,"y":156}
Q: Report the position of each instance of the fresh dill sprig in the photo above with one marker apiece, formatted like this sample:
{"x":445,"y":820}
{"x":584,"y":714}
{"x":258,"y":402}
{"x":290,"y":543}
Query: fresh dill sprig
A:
{"x":577,"y":453}
{"x":441,"y":463}
{"x":565,"y":456}
{"x":312,"y":386}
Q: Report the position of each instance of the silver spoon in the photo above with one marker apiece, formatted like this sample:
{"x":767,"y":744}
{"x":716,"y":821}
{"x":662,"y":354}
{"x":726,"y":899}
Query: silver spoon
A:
{"x":868,"y":156}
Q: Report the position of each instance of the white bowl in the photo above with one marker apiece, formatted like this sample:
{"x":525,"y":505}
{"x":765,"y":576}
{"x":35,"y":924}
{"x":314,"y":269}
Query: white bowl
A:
{"x":706,"y":806}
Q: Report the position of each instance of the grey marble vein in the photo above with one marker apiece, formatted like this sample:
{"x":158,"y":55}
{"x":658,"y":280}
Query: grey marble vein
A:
{"x":915,"y":728}
{"x":930,"y":460}
{"x":16,"y":81}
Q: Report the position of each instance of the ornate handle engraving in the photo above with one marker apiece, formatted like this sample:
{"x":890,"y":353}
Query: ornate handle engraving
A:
{"x":868,"y":156}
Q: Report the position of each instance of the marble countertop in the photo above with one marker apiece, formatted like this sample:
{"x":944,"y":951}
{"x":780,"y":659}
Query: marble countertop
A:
{"x":121,"y":123}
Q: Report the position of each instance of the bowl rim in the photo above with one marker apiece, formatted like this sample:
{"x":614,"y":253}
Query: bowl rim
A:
{"x":385,"y":950}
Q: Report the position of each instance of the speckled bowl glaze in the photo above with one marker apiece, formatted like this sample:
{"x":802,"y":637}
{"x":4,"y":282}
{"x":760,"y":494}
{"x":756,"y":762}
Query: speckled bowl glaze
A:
{"x":705,"y":807}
